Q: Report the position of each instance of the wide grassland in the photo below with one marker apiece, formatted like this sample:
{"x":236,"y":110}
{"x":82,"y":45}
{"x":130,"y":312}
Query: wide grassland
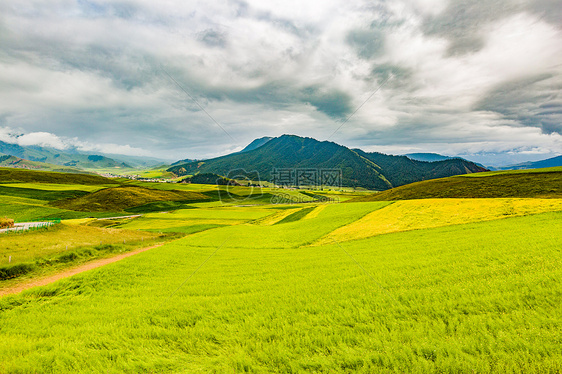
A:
{"x":427,"y":282}
{"x":478,"y":297}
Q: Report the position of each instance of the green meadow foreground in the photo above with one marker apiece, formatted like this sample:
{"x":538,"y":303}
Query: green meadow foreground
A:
{"x":433,"y":285}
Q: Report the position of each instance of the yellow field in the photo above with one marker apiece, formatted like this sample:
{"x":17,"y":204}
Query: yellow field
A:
{"x":78,"y":221}
{"x":420,"y":214}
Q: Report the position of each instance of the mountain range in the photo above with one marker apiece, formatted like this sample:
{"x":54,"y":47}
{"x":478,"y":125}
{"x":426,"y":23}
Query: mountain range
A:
{"x":20,"y":163}
{"x":73,"y":158}
{"x":265,"y":156}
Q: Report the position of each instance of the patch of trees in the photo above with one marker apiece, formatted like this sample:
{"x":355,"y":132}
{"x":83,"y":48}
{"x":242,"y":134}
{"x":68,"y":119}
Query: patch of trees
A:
{"x":210,"y":178}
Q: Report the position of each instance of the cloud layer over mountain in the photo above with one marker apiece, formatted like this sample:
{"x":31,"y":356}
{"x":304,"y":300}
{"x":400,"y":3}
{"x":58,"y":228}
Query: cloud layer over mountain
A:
{"x":458,"y":77}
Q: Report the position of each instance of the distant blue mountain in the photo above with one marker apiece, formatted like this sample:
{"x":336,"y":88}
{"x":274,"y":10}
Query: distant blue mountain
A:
{"x":548,"y":163}
{"x":74,"y":158}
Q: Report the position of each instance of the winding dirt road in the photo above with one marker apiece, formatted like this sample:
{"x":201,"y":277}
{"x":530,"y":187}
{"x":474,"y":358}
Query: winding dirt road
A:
{"x":69,"y":272}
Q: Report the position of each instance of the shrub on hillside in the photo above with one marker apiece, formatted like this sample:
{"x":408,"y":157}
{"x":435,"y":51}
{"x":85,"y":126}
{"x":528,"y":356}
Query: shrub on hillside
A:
{"x":6,"y":223}
{"x":13,"y":271}
{"x":67,"y":257}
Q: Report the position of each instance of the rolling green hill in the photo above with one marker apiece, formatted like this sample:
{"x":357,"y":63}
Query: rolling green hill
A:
{"x":540,"y":183}
{"x":359,"y":169}
{"x":117,"y":199}
{"x":10,"y":175}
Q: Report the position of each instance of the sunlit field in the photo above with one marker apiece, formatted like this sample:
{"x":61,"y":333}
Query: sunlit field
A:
{"x":430,"y":285}
{"x":421,"y":214}
{"x":480,"y":297}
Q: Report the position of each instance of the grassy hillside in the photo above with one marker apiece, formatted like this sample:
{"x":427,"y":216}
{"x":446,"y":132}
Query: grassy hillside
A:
{"x":539,"y":183}
{"x":23,"y":209}
{"x":117,"y":199}
{"x":9,"y":175}
{"x":480,"y":297}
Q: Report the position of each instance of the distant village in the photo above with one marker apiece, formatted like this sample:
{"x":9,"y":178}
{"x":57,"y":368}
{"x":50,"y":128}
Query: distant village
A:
{"x":136,"y":178}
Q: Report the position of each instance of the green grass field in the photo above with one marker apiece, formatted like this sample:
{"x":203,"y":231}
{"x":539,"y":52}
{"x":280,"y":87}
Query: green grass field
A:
{"x":451,"y":285}
{"x":480,"y":297}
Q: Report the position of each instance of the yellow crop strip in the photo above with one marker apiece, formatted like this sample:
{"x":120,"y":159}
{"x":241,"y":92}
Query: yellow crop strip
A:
{"x":276,"y":217}
{"x":420,"y":214}
{"x":315,"y":212}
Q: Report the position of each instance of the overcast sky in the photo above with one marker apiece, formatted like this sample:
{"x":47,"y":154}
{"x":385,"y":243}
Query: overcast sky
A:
{"x":145,"y":77}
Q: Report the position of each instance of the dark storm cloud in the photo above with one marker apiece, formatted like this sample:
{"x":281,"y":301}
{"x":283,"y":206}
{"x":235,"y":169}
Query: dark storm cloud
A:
{"x":213,"y":38}
{"x":533,"y":101}
{"x":367,"y":43}
{"x":334,"y":103}
{"x":463,"y":20}
{"x":401,"y":76}
{"x":549,"y":10}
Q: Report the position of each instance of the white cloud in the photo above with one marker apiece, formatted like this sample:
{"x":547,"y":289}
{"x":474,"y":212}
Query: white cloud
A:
{"x":45,"y":139}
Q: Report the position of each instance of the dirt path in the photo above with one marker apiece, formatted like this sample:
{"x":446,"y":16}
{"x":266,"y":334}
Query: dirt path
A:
{"x":70,"y":272}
